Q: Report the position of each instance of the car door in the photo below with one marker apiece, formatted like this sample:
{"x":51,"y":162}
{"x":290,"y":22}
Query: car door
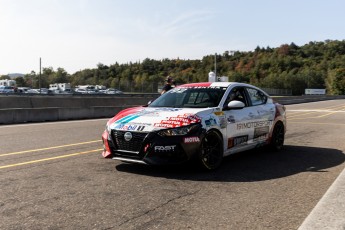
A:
{"x":249,"y":126}
{"x":263,"y":115}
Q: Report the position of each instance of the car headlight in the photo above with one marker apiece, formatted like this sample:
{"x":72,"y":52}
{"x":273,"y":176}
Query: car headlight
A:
{"x":177,"y":131}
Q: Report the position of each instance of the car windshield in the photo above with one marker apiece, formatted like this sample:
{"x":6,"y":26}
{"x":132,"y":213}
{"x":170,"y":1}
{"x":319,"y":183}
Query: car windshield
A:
{"x":191,"y":97}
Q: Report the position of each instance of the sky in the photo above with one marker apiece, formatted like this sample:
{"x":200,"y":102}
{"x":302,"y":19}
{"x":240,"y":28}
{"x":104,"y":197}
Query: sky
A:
{"x":79,"y":34}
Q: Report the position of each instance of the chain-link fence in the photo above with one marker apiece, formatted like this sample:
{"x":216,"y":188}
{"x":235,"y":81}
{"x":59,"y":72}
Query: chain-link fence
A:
{"x":278,"y":92}
{"x":141,"y":87}
{"x":156,"y":87}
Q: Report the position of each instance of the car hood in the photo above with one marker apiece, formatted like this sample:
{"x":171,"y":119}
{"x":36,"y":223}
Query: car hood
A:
{"x":144,"y":119}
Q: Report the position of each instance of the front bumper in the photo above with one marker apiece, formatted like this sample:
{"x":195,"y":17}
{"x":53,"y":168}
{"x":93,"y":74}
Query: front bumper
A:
{"x":151,"y":148}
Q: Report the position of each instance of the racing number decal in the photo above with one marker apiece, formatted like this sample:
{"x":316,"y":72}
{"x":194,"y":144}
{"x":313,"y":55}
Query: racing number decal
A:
{"x":234,"y":141}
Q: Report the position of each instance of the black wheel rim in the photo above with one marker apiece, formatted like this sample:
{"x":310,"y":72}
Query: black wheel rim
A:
{"x":279,"y":136}
{"x":211,"y":153}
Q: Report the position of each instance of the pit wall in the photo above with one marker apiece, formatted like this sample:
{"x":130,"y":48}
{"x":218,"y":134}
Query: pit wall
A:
{"x":19,"y":109}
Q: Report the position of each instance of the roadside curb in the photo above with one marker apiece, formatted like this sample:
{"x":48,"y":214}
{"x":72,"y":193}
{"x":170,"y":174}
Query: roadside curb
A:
{"x":329,"y":213}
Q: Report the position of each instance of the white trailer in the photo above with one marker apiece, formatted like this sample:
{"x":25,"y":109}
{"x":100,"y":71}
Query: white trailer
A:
{"x":61,"y":87}
{"x":7,"y":82}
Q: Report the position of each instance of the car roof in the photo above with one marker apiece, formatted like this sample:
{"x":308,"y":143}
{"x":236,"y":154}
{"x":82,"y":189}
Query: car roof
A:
{"x":215,"y":84}
{"x":220,"y":84}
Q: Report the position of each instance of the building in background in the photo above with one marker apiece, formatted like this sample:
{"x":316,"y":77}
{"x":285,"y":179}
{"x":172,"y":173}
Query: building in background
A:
{"x":7,"y":82}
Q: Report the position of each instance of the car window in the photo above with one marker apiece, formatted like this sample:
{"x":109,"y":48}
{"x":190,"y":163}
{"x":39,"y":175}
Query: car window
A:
{"x":256,"y":96}
{"x":198,"y":97}
{"x":236,"y":94}
{"x":190,"y":98}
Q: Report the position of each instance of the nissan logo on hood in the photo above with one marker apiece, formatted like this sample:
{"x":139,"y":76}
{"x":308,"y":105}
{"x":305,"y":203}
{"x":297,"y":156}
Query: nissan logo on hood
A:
{"x":128,"y":136}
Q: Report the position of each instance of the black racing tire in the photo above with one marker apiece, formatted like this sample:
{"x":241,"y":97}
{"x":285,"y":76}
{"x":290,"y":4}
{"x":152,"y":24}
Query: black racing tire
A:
{"x":211,"y":152}
{"x":278,"y":137}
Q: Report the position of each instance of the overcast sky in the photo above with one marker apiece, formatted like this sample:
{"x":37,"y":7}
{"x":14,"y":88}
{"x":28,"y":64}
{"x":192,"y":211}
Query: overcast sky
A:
{"x":79,"y":34}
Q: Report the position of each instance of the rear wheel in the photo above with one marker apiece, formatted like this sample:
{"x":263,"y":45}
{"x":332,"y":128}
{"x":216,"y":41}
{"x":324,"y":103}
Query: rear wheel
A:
{"x":211,"y":154}
{"x":278,"y":137}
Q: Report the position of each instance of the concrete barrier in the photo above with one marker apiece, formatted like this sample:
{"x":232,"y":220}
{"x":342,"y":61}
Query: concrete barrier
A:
{"x":18,"y":109}
{"x":70,"y":101}
{"x":8,"y":102}
{"x":13,"y":116}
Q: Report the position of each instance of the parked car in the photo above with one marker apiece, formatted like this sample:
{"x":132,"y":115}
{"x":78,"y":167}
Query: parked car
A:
{"x":33,"y":91}
{"x":23,"y":89}
{"x":7,"y":89}
{"x":113,"y":91}
{"x":80,"y":91}
{"x":205,"y":121}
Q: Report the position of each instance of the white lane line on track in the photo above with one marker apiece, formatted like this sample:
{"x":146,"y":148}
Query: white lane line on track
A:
{"x":49,"y":159}
{"x":316,"y":110}
{"x":329,"y":212}
{"x":48,"y":148}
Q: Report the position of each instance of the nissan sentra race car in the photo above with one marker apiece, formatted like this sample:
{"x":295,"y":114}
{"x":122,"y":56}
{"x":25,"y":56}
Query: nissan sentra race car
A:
{"x":203,"y":121}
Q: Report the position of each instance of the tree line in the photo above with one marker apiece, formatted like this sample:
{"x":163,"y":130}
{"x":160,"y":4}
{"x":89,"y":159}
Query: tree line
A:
{"x":316,"y":65}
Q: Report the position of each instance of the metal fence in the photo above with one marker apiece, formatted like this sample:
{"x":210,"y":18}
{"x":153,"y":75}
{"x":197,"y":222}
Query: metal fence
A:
{"x":156,"y":87}
{"x":278,"y":92}
{"x":141,"y":87}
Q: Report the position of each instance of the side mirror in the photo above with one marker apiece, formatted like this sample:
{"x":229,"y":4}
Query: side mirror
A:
{"x":235,"y":105}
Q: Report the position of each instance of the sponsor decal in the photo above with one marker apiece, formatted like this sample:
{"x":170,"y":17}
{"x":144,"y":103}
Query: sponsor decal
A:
{"x":211,"y":121}
{"x":165,"y":148}
{"x":191,"y":117}
{"x":231,"y":119}
{"x":128,"y":127}
{"x":234,"y":141}
{"x":261,"y":133}
{"x":253,"y":124}
{"x":140,"y":128}
{"x":221,"y":113}
{"x":119,"y":126}
{"x":178,"y":121}
{"x":164,"y":125}
{"x":188,"y":140}
{"x":168,"y":109}
{"x":222,"y":122}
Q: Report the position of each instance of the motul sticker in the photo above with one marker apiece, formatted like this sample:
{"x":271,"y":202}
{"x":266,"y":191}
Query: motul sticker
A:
{"x":180,"y":120}
{"x":188,"y":140}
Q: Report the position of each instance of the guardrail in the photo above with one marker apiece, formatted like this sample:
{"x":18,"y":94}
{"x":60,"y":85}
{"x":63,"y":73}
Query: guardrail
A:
{"x":287,"y":100}
{"x":37,"y":108}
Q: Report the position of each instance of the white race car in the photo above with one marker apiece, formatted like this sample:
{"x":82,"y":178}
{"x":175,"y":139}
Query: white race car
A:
{"x":203,"y":121}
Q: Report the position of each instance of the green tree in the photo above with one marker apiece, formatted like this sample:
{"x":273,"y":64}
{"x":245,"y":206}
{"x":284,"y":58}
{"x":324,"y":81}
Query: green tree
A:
{"x":20,"y":81}
{"x":5,"y":77}
{"x":336,"y":81}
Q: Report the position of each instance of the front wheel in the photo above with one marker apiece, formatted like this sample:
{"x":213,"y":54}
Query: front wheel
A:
{"x":278,"y":137}
{"x":211,"y":153}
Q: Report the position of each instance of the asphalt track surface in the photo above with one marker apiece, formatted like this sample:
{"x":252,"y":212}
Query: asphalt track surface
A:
{"x":52,"y":176}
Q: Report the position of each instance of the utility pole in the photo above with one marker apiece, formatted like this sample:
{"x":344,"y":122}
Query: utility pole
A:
{"x":215,"y":64}
{"x":39,"y":78}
